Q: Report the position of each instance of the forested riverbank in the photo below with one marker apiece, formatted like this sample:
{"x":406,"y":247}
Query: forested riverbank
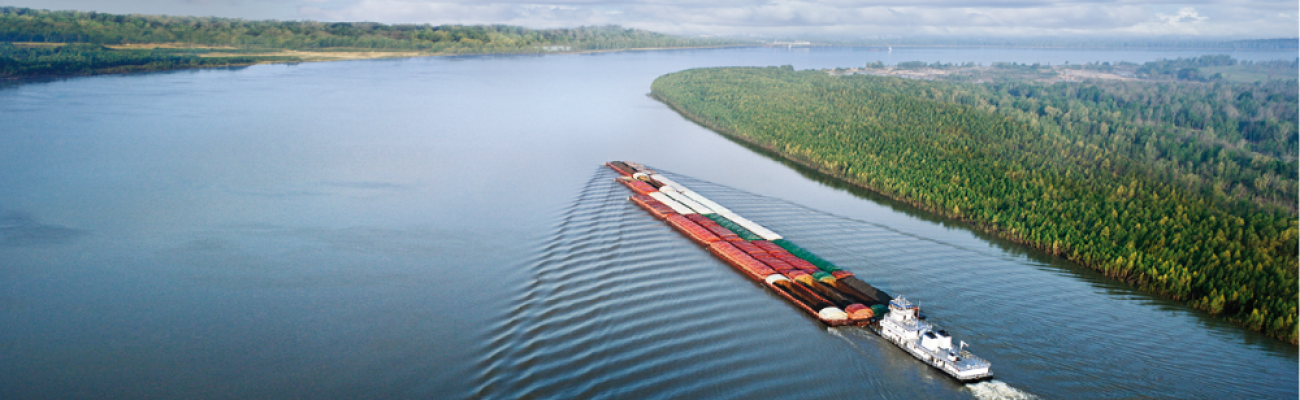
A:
{"x":1185,"y":189}
{"x":41,"y":42}
{"x":27,"y":61}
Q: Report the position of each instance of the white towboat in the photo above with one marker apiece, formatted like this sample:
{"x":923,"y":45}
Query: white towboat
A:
{"x":904,"y":327}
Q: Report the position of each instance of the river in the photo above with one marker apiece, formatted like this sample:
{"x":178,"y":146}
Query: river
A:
{"x":441,"y":228}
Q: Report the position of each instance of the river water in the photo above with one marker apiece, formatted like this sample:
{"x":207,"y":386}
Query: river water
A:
{"x":441,"y":228}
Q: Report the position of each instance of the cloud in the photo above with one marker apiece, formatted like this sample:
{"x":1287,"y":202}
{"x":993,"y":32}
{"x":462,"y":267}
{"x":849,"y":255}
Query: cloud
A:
{"x":402,"y":11}
{"x":1253,"y":18}
{"x":1186,"y":22}
{"x":1185,"y":15}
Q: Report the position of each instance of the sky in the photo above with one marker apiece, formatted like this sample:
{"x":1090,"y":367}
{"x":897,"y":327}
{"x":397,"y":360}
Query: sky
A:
{"x":791,"y":19}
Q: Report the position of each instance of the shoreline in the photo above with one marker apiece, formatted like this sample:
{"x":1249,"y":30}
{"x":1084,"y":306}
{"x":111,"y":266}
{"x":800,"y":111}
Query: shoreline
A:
{"x":314,"y":56}
{"x":350,"y":54}
{"x":1058,"y":73}
{"x":971,"y":223}
{"x":327,"y":55}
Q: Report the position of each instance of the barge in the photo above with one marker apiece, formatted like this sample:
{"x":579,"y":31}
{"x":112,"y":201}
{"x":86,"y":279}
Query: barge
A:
{"x":812,"y":284}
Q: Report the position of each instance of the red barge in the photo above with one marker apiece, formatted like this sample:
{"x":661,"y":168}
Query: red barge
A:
{"x":832,"y":295}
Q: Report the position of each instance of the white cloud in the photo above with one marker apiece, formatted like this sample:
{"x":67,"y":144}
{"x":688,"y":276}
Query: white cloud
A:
{"x":1185,"y":22}
{"x":401,"y":11}
{"x":1185,"y":15}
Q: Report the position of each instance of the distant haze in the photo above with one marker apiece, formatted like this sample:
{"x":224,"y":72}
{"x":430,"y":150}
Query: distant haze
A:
{"x":845,"y":19}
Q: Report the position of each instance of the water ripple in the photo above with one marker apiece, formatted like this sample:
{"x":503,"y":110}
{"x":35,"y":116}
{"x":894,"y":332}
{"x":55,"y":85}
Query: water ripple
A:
{"x":621,"y":306}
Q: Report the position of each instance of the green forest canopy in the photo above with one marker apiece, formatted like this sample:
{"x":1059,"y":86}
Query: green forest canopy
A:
{"x":30,"y":25}
{"x":31,"y":41}
{"x":1184,"y":189}
{"x":87,"y":59}
{"x":1237,"y":140}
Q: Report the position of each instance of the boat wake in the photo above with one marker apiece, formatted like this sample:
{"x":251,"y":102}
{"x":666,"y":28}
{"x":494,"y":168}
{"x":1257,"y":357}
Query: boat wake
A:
{"x":998,"y":390}
{"x":615,"y":304}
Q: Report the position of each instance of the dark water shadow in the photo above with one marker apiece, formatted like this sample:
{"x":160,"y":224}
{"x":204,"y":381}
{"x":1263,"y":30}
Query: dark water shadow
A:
{"x":6,"y":84}
{"x":20,"y":229}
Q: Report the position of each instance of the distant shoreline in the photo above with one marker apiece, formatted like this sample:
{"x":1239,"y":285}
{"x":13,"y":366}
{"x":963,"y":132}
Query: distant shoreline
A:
{"x":972,"y":46}
{"x":333,"y":55}
{"x":293,"y":56}
{"x":299,"y":56}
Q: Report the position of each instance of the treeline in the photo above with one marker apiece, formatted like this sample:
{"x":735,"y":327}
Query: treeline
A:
{"x":1075,"y":169}
{"x":88,"y":59}
{"x":1185,"y":69}
{"x":84,"y":35}
{"x":1195,"y":68}
{"x":30,"y":25}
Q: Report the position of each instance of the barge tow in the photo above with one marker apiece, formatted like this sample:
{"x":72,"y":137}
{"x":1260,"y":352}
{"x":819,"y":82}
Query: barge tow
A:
{"x":818,"y":287}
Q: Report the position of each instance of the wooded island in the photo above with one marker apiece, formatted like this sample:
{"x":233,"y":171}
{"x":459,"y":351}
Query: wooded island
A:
{"x":1183,"y":188}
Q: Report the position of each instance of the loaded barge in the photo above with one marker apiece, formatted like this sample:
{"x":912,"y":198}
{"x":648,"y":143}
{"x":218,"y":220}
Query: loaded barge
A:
{"x":818,"y":287}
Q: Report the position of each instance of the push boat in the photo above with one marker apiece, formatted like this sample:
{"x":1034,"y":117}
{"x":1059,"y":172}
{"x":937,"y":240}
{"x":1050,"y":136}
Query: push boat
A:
{"x":812,"y":284}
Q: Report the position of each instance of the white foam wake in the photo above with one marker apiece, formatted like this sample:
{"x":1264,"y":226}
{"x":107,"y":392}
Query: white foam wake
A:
{"x":998,"y":390}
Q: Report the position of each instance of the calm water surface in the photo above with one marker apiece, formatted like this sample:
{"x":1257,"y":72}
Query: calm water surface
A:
{"x":440,"y":228}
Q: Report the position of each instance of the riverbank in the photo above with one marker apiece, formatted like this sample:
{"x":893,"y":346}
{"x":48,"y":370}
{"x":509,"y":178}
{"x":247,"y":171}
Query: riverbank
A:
{"x":65,"y":60}
{"x":1092,"y":206}
{"x":343,"y":55}
{"x":975,"y":224}
{"x":41,"y":43}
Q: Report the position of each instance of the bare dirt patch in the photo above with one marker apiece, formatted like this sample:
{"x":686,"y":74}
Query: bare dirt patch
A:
{"x":1083,"y":74}
{"x":143,"y":46}
{"x":325,"y":55}
{"x":1049,"y":74}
